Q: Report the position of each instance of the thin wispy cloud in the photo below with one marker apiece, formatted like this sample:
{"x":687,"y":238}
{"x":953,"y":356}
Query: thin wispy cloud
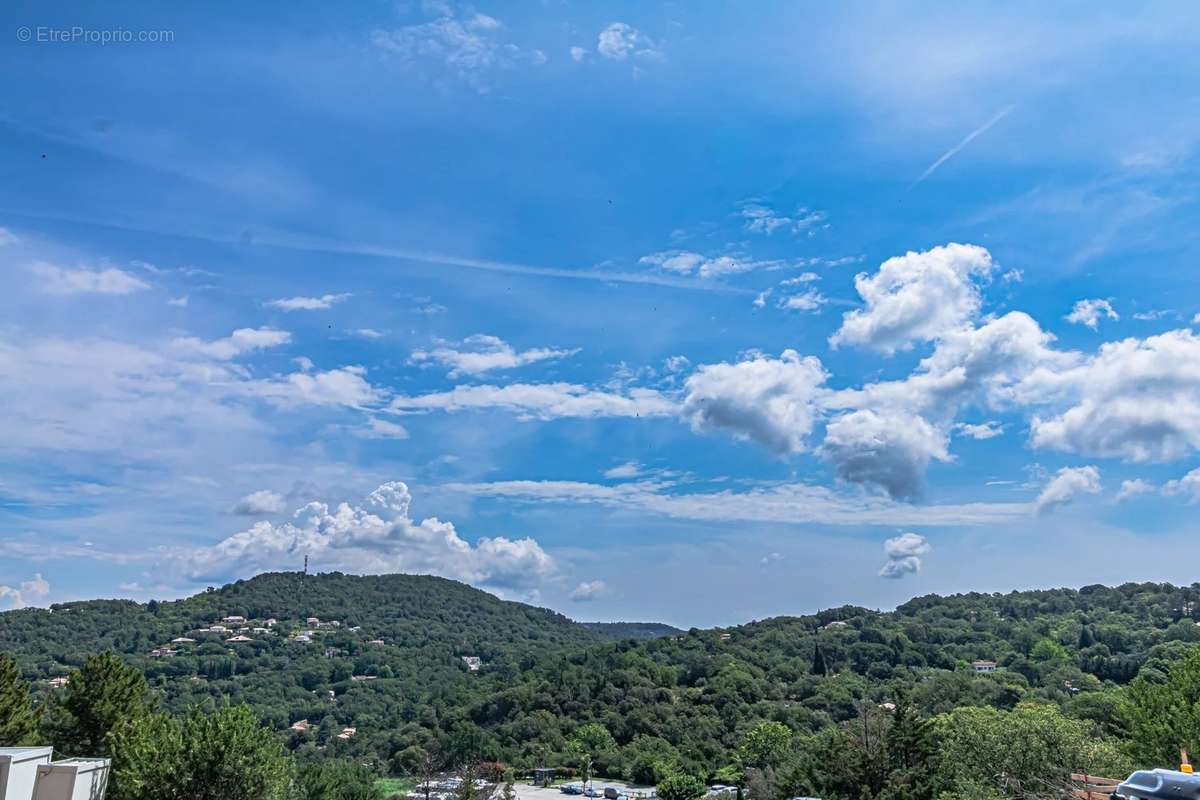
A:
{"x":970,"y":137}
{"x":285,"y":241}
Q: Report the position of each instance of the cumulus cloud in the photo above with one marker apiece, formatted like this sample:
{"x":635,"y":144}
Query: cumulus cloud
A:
{"x":589,"y":590}
{"x":343,"y":386}
{"x":480,"y":353}
{"x":1188,"y":485}
{"x":1132,"y":488}
{"x":263,"y":501}
{"x":916,"y":297}
{"x":321,"y":303}
{"x":1067,"y":484}
{"x":1136,"y":399}
{"x":377,"y":536}
{"x":30,"y":592}
{"x":241,"y":341}
{"x":767,"y":400}
{"x":1089,"y":312}
{"x":903,"y":555}
{"x":577,"y":53}
{"x":64,"y":281}
{"x":619,"y":41}
{"x":760,"y":218}
{"x":886,"y":449}
{"x":985,"y":430}
{"x":542,"y":401}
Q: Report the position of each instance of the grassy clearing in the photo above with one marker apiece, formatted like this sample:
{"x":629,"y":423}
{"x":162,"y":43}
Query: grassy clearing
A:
{"x":391,"y":786}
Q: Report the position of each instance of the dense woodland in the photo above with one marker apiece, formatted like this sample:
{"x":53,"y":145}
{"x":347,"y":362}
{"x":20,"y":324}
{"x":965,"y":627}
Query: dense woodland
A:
{"x":773,"y":701}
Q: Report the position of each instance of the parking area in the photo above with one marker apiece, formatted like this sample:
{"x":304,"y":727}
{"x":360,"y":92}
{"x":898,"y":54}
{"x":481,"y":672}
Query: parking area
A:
{"x":527,"y":791}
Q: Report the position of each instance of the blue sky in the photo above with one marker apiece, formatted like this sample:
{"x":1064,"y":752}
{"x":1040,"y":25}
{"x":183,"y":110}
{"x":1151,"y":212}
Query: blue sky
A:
{"x":696,"y":313}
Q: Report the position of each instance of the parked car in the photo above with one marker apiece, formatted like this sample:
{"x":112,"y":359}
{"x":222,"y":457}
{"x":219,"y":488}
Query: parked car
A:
{"x":593,"y":792}
{"x":611,"y":793}
{"x":571,"y":788}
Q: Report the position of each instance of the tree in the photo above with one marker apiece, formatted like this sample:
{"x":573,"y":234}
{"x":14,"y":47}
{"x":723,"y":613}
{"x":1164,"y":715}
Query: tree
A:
{"x":1163,"y":717}
{"x":681,"y":787}
{"x":1029,"y":751}
{"x":18,"y":721}
{"x":335,"y":780}
{"x":466,"y":789}
{"x":592,"y":745}
{"x":765,"y":745}
{"x":819,"y":666}
{"x":102,"y":694}
{"x":217,"y":756}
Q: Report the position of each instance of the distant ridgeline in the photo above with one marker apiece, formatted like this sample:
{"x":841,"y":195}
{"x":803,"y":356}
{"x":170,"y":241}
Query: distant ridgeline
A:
{"x":376,"y":667}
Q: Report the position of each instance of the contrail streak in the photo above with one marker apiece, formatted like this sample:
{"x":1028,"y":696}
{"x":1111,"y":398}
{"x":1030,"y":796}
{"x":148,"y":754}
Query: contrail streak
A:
{"x":972,"y":136}
{"x":285,"y":241}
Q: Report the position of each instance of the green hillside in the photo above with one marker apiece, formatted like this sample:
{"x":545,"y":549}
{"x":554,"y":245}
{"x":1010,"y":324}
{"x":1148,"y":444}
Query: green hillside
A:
{"x":393,"y":666}
{"x":617,"y":631}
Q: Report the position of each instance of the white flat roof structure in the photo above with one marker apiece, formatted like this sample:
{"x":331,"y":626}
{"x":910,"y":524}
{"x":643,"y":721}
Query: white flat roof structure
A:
{"x":18,"y":770}
{"x":72,"y":779}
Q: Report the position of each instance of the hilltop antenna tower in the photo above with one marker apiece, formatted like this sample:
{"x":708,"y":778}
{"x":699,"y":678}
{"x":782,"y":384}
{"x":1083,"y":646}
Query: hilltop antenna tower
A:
{"x":306,"y":563}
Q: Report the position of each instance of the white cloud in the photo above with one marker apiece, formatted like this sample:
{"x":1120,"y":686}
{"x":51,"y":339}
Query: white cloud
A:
{"x":784,"y":504}
{"x":686,"y":262}
{"x":760,"y":218}
{"x":345,"y":386}
{"x":1132,"y":488}
{"x":1136,"y":399}
{"x":63,"y":281}
{"x":7,"y":237}
{"x":768,"y":400}
{"x":810,"y":300}
{"x":375,"y":537}
{"x":886,"y":448}
{"x":577,"y":53}
{"x":480,"y":353}
{"x":630,"y":469}
{"x":368,"y":333}
{"x":1188,"y":485}
{"x":587,"y":591}
{"x":240,"y":342}
{"x":321,"y":303}
{"x":263,"y":501}
{"x":619,"y":41}
{"x":903,"y":555}
{"x":542,"y":401}
{"x":1067,"y":484}
{"x":473,"y":48}
{"x":985,"y":430}
{"x":180,"y":302}
{"x":1089,"y":313}
{"x":916,"y":297}
{"x":30,"y":592}
{"x":377,"y":428}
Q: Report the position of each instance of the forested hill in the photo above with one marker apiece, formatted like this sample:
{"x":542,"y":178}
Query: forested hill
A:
{"x":420,"y":664}
{"x":406,"y":611}
{"x":616,"y":631}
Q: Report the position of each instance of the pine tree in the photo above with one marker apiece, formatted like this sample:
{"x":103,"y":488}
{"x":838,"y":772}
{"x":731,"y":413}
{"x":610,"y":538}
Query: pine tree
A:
{"x":101,"y":695}
{"x":18,"y":721}
{"x":819,"y":667}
